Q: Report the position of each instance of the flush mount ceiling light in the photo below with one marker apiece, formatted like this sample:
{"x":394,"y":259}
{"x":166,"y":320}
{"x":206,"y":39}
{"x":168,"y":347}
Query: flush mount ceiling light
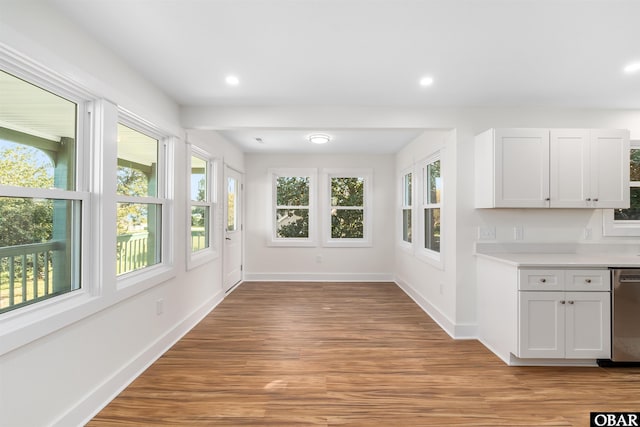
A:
{"x":632,"y":68}
{"x":232,"y":80}
{"x":319,"y":138}
{"x":426,"y":81}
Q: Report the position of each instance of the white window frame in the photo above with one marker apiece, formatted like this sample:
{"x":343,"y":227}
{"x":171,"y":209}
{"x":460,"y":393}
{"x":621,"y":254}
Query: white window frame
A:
{"x":611,"y":227}
{"x":407,"y":205}
{"x":203,"y":256}
{"x":31,"y":322}
{"x":367,"y":239}
{"x":310,"y":241}
{"x":163,"y":270}
{"x":427,"y":255}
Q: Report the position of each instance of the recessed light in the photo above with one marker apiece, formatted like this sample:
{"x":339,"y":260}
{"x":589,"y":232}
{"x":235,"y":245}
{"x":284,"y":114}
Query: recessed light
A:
{"x":319,"y":138}
{"x":632,"y":68}
{"x":426,"y":81}
{"x":232,"y":80}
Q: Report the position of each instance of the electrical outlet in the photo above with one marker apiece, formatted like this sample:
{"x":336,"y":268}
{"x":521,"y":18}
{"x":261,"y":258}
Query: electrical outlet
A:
{"x":159,"y":306}
{"x":518,"y":232}
{"x":587,"y":234}
{"x":486,"y":233}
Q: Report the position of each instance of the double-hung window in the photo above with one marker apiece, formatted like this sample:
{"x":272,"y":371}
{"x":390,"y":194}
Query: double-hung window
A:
{"x":348,"y":207}
{"x":43,"y":199}
{"x":293,"y":207}
{"x":626,"y":222}
{"x":140,"y":196}
{"x":431,"y":201}
{"x":407,"y":206}
{"x":202,"y":190}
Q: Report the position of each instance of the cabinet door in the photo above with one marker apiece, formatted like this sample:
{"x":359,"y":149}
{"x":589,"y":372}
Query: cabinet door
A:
{"x":588,"y":322}
{"x":541,"y":325}
{"x":610,"y":168}
{"x":521,"y":168}
{"x":569,"y":168}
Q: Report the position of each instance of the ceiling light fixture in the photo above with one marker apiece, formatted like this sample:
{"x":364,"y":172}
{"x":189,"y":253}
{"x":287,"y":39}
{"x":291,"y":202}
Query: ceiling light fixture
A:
{"x":232,"y":80}
{"x":632,"y":68}
{"x":426,"y":81}
{"x":319,"y":138}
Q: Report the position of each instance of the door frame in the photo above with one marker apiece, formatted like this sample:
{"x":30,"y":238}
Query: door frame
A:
{"x":240,"y":218}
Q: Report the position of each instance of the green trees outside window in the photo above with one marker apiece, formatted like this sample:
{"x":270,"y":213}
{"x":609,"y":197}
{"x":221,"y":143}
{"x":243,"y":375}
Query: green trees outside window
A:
{"x":633,"y":213}
{"x":292,"y":207}
{"x":347,"y":207}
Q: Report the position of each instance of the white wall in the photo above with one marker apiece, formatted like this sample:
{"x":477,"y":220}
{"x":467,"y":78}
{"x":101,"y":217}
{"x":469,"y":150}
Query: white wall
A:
{"x":66,"y":376}
{"x":280,"y":263}
{"x":457,"y":305}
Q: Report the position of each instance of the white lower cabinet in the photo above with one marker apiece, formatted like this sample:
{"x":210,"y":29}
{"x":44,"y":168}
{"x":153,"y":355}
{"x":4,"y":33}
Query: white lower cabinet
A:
{"x":538,"y":315}
{"x":572,"y":325}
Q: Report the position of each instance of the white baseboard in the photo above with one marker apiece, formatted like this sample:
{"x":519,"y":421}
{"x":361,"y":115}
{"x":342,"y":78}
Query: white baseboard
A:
{"x":318,"y":277}
{"x":95,"y":401}
{"x":456,"y":331}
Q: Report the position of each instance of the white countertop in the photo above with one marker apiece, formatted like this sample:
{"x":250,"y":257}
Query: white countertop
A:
{"x":565,"y":259}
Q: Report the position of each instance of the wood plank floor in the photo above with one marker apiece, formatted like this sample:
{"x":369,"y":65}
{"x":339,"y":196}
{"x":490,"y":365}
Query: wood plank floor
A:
{"x":351,"y":354}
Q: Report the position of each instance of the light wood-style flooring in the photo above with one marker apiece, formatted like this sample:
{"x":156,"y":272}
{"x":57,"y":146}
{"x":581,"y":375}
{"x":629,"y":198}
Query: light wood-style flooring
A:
{"x":351,"y":354}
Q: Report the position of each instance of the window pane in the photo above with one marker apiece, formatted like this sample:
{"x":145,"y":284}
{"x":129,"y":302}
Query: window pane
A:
{"x":292,"y":191}
{"x":232,"y":195}
{"x":635,"y":164}
{"x":432,"y":229}
{"x":198,"y":179}
{"x":347,"y":191}
{"x":292,"y":223}
{"x":633,"y":213}
{"x":407,"y":189}
{"x":199,"y":228}
{"x":406,"y":225}
{"x":434,"y":188}
{"x":347,"y":224}
{"x":139,"y":236}
{"x":36,"y":248}
{"x":37,"y":136}
{"x":137,"y":163}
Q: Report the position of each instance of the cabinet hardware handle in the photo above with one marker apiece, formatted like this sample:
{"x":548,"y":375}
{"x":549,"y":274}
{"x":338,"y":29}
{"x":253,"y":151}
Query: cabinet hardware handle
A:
{"x":547,"y":199}
{"x":562,"y":302}
{"x":587,"y":280}
{"x":570,"y":302}
{"x":595,"y":200}
{"x":588,"y":199}
{"x":543,"y":280}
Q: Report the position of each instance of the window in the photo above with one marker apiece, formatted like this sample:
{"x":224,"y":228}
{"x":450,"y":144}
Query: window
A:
{"x":626,"y":222}
{"x":431,"y":207}
{"x":41,"y":203}
{"x":140,"y":200}
{"x":407,"y":196}
{"x":293,"y":204}
{"x":202,"y":190}
{"x":349,"y":198}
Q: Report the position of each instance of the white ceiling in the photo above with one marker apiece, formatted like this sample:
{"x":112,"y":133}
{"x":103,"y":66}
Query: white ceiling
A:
{"x":362,"y":53}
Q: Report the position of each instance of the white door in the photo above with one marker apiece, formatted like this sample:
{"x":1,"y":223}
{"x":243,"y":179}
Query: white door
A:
{"x":570,"y":168}
{"x":522,"y":168}
{"x":588,"y":316}
{"x":609,"y":168}
{"x":233,"y":229}
{"x":542,"y":325}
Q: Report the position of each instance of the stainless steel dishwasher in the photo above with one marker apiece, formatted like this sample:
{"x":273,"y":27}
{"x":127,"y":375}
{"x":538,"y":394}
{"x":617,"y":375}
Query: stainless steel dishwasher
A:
{"x":625,"y":315}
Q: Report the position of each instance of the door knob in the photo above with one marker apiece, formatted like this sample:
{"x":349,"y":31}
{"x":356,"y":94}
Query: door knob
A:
{"x":227,"y":238}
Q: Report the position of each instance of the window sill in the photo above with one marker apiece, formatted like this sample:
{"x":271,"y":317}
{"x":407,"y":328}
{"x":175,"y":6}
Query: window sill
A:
{"x":432,"y":258}
{"x":348,"y":243}
{"x":202,"y":257}
{"x":292,"y":243}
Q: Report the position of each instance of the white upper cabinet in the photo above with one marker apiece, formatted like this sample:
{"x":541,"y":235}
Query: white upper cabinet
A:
{"x":560,"y":168}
